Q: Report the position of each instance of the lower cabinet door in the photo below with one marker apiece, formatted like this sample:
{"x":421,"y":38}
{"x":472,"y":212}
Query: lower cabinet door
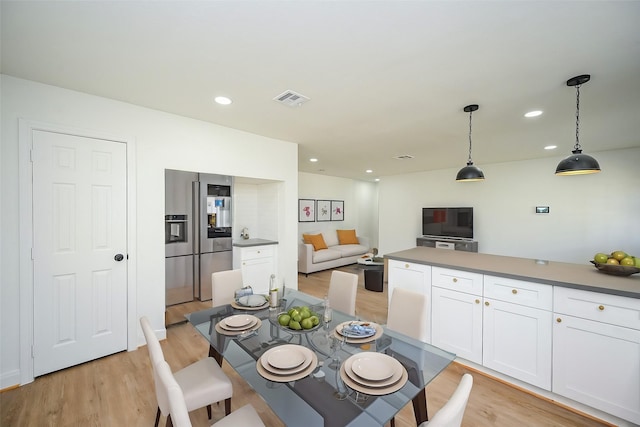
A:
{"x":597,"y":364}
{"x":457,"y":323}
{"x":257,"y":273}
{"x":517,"y":341}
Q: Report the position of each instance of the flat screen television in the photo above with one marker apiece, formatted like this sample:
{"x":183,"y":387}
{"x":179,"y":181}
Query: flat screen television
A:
{"x":448,"y":222}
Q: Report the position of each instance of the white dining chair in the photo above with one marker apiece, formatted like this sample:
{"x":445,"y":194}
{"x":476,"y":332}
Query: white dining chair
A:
{"x":224,"y":285}
{"x":203,"y":382}
{"x":179,"y":414}
{"x":450,"y":415}
{"x":408,"y":314}
{"x":343,"y":288}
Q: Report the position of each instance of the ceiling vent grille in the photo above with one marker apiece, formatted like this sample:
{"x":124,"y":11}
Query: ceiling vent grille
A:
{"x":404,"y":157}
{"x":291,"y":99}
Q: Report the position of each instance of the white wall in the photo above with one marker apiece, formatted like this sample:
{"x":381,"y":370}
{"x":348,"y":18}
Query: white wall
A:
{"x":588,"y":213}
{"x":360,"y":203}
{"x":163,"y":141}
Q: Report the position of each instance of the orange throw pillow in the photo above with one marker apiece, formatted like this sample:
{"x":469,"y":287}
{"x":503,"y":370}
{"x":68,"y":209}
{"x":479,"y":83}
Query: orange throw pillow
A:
{"x":316,"y":240}
{"x":347,"y":237}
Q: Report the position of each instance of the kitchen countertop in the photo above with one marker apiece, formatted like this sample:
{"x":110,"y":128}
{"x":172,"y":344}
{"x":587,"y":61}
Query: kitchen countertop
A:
{"x":577,"y":276}
{"x":242,"y":243}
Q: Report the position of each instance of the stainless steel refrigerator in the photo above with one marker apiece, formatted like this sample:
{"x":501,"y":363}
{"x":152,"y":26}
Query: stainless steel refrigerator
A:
{"x":198,"y":219}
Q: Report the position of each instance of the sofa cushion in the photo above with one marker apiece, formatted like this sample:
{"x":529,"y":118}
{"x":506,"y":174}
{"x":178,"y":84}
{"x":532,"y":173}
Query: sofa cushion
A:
{"x":316,"y":240}
{"x":325,"y":255}
{"x":350,"y":250}
{"x":347,"y":237}
{"x":330,"y":238}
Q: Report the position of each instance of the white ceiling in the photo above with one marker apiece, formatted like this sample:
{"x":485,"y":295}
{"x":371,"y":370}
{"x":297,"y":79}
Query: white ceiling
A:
{"x":385,"y":78}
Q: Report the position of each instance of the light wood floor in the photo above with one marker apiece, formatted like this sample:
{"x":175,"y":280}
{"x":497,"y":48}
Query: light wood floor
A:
{"x":118,"y":390}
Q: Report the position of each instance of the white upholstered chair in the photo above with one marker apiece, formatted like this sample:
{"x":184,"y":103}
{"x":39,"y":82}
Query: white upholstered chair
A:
{"x":224,"y":285}
{"x":343,"y":288}
{"x":243,"y":417}
{"x":408,"y":314}
{"x":203,"y":382}
{"x":450,"y":415}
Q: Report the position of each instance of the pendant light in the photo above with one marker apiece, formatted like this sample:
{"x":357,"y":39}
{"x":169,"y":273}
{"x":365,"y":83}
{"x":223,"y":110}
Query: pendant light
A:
{"x":470,"y":172}
{"x":578,"y":163}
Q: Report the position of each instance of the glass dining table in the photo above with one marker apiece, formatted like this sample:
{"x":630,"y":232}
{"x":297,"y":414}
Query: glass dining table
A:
{"x":311,"y":401}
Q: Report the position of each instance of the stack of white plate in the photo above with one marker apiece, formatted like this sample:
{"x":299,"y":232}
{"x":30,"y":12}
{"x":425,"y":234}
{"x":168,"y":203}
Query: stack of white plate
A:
{"x":251,"y":302}
{"x":376,"y":332}
{"x":373,"y":373}
{"x":288,"y":362}
{"x":238,"y":324}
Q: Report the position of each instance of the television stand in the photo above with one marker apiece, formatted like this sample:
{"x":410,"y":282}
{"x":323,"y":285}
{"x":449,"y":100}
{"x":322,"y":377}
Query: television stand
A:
{"x":452,"y":243}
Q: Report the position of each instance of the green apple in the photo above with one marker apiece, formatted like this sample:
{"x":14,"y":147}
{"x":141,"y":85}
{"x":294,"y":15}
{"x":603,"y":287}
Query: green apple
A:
{"x":628,"y":261}
{"x":306,"y":323}
{"x":601,"y":258}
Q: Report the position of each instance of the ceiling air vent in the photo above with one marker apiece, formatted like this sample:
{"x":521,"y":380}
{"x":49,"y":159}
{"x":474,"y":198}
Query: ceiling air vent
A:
{"x":291,"y":99}
{"x":404,"y":157}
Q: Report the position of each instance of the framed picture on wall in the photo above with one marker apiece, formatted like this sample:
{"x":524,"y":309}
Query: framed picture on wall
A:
{"x":323,"y":210}
{"x":337,"y":210}
{"x":306,"y":210}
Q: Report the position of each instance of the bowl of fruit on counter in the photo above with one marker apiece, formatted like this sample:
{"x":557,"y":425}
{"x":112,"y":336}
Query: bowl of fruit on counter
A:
{"x":618,"y":263}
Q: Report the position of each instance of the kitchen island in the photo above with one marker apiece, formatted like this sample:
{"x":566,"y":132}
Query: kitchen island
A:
{"x":568,"y":332}
{"x":578,"y":276}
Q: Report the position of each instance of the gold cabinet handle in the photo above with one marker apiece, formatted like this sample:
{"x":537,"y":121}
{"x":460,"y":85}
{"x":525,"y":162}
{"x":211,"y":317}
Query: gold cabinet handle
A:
{"x":514,"y":291}
{"x":455,"y":280}
{"x":486,"y":303}
{"x":406,"y":266}
{"x":477,"y":301}
{"x":601,"y":308}
{"x":559,"y":320}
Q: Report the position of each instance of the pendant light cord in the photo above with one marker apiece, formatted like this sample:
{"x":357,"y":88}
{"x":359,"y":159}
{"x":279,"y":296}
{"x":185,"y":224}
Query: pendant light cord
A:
{"x":577,"y":146}
{"x":470,"y":161}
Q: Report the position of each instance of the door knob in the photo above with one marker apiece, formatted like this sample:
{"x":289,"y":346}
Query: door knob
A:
{"x":118,"y":257}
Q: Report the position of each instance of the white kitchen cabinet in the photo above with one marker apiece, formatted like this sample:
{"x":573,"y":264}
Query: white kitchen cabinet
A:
{"x":412,"y":276}
{"x":596,"y":351}
{"x":456,"y":323}
{"x":456,"y":319}
{"x":517,"y":328}
{"x":257,"y":263}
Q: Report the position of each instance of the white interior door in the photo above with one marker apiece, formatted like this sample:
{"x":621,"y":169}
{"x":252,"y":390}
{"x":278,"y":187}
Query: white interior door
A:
{"x":79,"y":228}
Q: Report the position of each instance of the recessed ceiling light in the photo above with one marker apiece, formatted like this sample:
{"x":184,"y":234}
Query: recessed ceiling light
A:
{"x":222,"y":100}
{"x":313,"y":160}
{"x":368,"y":171}
{"x":534,"y":113}
{"x":550,"y":147}
{"x":377,"y":180}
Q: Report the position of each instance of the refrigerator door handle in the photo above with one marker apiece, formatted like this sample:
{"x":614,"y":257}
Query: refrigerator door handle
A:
{"x":195,"y":208}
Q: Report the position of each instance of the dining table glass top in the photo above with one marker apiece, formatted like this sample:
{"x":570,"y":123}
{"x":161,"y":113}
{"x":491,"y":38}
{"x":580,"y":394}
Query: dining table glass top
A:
{"x":311,"y":401}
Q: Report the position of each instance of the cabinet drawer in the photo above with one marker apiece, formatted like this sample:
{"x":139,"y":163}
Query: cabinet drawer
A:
{"x":462,"y":281}
{"x":529,"y":294}
{"x":612,"y":309}
{"x":257,"y":252}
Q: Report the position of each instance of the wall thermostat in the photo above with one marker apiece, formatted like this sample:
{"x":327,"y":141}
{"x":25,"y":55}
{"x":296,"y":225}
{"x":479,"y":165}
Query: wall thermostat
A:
{"x":542,"y":209}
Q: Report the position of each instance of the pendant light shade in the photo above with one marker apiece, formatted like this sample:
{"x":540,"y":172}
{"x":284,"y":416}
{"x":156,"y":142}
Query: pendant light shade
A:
{"x":470,"y":172}
{"x":578,"y":163}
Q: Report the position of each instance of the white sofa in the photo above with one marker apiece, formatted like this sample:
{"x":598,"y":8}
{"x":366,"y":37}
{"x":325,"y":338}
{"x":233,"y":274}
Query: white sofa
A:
{"x":336,"y":255}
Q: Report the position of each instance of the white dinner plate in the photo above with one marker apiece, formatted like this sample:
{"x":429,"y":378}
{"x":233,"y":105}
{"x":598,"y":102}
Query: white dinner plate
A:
{"x":395,"y":377}
{"x":346,"y":333}
{"x":238,"y":321}
{"x":374,"y":391}
{"x":288,"y":377}
{"x":359,"y":340}
{"x":252,"y":300}
{"x":235,"y":332}
{"x":305,"y":352}
{"x":285,"y":358}
{"x":374,"y":366}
